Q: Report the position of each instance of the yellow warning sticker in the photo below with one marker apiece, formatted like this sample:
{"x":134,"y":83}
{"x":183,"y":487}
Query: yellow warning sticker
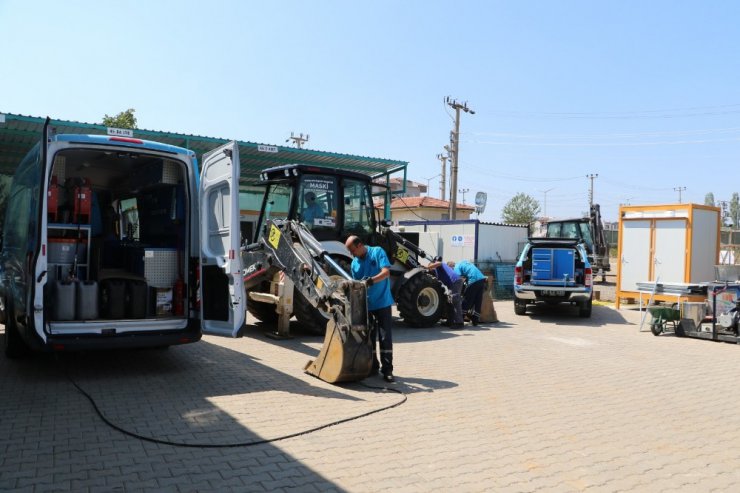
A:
{"x":319,"y":284}
{"x":402,"y":255}
{"x":274,"y":237}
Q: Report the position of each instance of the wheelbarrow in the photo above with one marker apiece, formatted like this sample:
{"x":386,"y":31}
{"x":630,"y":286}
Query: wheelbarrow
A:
{"x":661,"y":316}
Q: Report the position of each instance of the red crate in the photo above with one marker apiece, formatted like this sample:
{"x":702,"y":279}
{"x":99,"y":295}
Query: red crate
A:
{"x":52,"y":199}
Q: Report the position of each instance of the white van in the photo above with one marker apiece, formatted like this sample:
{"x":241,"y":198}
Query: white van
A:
{"x":105,"y":245}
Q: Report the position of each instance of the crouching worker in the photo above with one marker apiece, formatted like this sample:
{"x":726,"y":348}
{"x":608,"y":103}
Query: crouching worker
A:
{"x":473,"y":298}
{"x":454,"y":283}
{"x":371,"y":265}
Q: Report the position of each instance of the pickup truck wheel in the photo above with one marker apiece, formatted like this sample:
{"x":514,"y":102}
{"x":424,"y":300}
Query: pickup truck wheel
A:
{"x":15,"y":346}
{"x":584,"y":310}
{"x":420,"y":301}
{"x":520,"y":308}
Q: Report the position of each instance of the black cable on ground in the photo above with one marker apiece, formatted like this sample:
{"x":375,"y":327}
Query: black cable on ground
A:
{"x":403,"y":399}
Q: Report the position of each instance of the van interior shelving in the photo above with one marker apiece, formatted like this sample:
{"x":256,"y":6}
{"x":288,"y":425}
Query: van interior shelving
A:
{"x":116,"y":236}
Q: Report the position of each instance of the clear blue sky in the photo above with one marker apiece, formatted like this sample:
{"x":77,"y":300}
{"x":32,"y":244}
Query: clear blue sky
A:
{"x":644,"y":93}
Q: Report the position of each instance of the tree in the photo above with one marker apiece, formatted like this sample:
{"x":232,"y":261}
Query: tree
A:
{"x":735,"y":209}
{"x":124,"y":119}
{"x":709,"y":199}
{"x":521,"y":209}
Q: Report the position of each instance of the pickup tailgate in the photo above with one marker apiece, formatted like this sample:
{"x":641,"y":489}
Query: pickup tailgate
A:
{"x":553,"y":267}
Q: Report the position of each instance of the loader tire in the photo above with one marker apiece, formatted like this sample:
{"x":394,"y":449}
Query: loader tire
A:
{"x":311,"y":319}
{"x":421,"y":300}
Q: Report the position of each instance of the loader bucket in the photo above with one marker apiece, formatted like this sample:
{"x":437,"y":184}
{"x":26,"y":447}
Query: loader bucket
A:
{"x":346,"y":356}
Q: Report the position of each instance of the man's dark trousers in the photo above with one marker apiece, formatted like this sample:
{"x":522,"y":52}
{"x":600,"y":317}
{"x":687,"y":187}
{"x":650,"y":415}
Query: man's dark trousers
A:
{"x":474,"y":299}
{"x":382,"y":331}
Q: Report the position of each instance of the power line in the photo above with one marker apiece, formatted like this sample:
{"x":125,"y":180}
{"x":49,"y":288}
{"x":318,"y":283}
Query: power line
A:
{"x":640,"y":114}
{"x":707,"y":131}
{"x":602,"y":144}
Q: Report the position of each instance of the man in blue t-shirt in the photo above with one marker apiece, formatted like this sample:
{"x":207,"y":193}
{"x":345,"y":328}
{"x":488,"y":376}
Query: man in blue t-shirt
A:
{"x":454,"y":283}
{"x":473,"y":298}
{"x":371,"y":265}
{"x":312,"y":211}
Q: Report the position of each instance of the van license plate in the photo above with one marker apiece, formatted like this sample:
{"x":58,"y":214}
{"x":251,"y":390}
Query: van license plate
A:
{"x":553,"y":292}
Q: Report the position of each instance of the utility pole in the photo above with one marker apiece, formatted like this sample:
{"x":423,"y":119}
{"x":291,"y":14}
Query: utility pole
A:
{"x":679,"y":190}
{"x":591,"y":190}
{"x":442,"y":181}
{"x":456,"y":152}
{"x":544,"y":192}
{"x":463,"y":191}
{"x":299,"y":140}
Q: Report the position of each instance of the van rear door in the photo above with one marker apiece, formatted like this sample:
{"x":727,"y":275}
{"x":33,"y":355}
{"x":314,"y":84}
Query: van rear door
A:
{"x":223,"y":302}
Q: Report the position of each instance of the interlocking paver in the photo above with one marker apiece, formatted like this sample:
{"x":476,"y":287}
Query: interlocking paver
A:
{"x":545,"y":402}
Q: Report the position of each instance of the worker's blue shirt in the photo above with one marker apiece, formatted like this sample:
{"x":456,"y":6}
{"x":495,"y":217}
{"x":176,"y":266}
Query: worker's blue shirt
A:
{"x":446,"y":274}
{"x":313,"y":211}
{"x":379,"y":294}
{"x":469,"y":271}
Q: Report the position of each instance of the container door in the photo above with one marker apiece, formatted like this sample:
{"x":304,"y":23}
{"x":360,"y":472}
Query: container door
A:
{"x":223,"y":302}
{"x":635,"y":259}
{"x":670,"y":250}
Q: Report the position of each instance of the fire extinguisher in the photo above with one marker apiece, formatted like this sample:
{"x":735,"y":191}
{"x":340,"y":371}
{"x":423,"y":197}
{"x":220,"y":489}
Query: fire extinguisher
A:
{"x":179,"y":297}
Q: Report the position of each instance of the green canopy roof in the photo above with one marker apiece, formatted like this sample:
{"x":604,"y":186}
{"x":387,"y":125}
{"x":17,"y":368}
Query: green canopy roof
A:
{"x":18,"y":133}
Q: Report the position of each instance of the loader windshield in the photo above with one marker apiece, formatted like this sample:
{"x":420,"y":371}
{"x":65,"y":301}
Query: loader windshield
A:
{"x":358,"y":208}
{"x":276,"y":205}
{"x":317,"y":202}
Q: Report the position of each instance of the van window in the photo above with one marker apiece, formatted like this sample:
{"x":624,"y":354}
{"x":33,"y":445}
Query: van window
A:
{"x":130,"y":220}
{"x":21,"y":216}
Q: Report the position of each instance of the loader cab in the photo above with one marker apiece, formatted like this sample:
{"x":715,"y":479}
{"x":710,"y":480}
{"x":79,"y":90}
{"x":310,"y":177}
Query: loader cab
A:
{"x":102,"y":245}
{"x":574,"y":229}
{"x":332,"y":203}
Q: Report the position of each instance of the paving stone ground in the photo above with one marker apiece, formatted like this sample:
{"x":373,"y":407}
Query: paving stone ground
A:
{"x":543,"y":402}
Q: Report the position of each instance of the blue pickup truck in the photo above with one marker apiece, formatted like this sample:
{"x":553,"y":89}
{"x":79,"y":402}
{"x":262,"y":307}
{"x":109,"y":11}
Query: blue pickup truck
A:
{"x":553,"y":271}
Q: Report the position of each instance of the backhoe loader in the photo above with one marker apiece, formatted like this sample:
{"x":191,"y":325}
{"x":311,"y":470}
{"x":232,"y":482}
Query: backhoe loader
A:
{"x":288,"y":250}
{"x":333,"y":204}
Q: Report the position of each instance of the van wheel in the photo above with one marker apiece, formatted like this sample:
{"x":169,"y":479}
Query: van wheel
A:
{"x":15,"y":346}
{"x":520,"y":308}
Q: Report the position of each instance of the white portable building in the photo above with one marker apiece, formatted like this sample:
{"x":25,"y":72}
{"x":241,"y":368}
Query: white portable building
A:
{"x":469,"y":239}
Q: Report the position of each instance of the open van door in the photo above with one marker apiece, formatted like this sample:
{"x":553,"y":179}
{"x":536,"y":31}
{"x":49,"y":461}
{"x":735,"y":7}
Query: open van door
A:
{"x":223,"y":301}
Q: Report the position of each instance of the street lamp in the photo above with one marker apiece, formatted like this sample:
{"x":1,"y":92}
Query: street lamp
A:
{"x":430,"y":179}
{"x":544,"y":192}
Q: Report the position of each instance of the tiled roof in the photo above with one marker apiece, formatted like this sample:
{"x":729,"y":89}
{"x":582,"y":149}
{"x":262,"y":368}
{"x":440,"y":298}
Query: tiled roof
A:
{"x":422,"y":202}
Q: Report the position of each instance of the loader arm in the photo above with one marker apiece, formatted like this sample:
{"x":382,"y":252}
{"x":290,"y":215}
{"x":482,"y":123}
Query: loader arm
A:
{"x":290,"y":248}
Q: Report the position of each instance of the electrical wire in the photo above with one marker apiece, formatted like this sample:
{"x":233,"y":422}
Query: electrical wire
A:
{"x":724,"y":109}
{"x":253,"y":443}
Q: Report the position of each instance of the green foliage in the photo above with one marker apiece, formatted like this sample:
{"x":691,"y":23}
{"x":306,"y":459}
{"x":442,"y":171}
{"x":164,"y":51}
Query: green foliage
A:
{"x":735,"y":210}
{"x":124,"y":119}
{"x":521,"y":209}
{"x":709,"y":199}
